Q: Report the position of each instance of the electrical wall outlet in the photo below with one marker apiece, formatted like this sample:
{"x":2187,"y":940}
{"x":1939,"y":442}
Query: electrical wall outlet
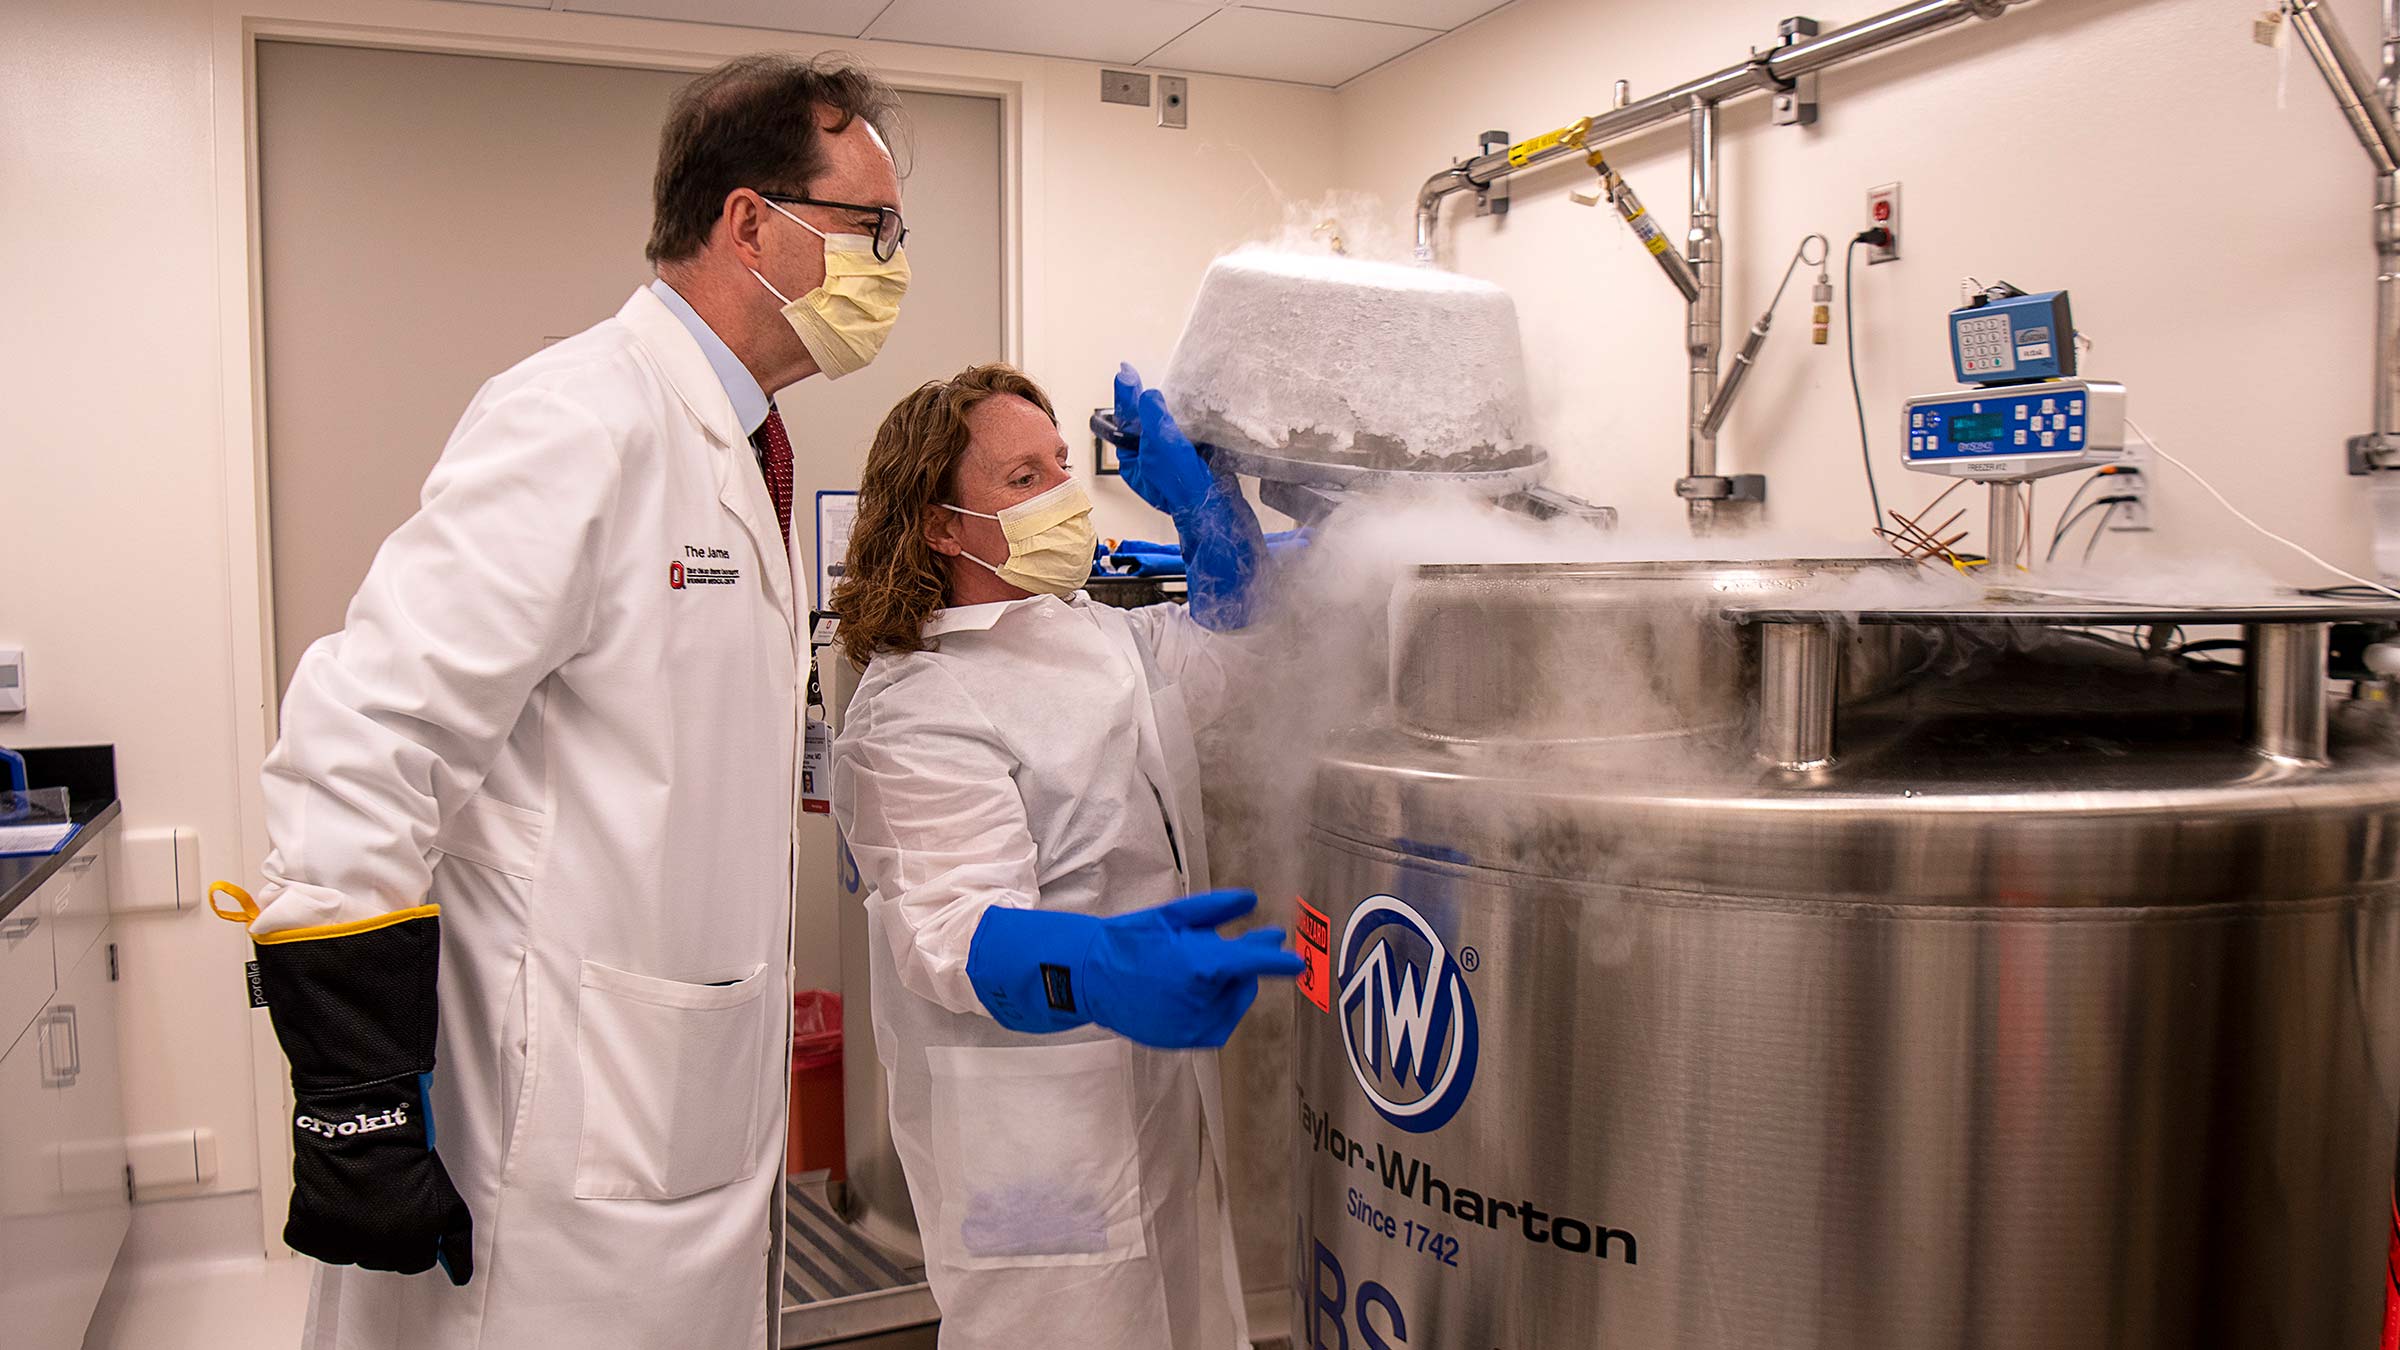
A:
{"x":1883,"y":208}
{"x":2134,"y":482}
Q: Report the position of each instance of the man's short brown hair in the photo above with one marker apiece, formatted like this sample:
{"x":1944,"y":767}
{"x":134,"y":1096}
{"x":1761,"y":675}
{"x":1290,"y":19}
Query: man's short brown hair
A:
{"x":755,"y":122}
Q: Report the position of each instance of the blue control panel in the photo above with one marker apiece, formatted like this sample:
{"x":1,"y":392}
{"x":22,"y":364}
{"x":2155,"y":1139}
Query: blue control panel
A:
{"x":2020,"y":337}
{"x":2022,"y":431}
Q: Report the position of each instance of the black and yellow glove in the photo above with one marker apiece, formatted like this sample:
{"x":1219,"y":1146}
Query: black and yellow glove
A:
{"x":354,"y":1005}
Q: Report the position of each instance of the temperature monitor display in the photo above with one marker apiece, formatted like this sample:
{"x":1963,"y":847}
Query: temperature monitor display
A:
{"x":2018,"y":432}
{"x":1988,"y":428}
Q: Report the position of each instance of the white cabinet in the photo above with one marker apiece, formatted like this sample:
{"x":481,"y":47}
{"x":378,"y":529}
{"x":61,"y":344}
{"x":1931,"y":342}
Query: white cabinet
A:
{"x":79,"y":908}
{"x":94,"y":1175}
{"x":64,"y":1205}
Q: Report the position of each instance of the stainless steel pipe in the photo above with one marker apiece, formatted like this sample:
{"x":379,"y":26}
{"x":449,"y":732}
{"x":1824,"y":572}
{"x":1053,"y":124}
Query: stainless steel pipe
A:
{"x":2362,"y":105}
{"x":1429,"y":207}
{"x":2372,"y":108}
{"x":1774,"y":70}
{"x":2387,"y":307}
{"x":2006,"y":533}
{"x":2387,"y":248}
{"x":1705,"y":317}
{"x":1799,"y":679}
{"x":2286,"y":669}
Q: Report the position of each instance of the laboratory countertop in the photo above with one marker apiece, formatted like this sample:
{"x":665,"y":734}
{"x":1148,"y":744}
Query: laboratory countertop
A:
{"x":89,"y":774}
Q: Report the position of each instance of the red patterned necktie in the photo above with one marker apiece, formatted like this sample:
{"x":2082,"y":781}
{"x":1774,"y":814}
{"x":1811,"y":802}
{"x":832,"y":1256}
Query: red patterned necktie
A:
{"x":775,"y":461}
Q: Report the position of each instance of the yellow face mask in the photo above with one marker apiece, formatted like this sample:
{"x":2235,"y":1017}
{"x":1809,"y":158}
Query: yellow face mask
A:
{"x":1049,"y":541}
{"x":844,"y":321}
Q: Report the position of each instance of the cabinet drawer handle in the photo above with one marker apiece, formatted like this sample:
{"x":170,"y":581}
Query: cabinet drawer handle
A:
{"x":74,"y":1069}
{"x":17,"y":930}
{"x":55,"y":1073}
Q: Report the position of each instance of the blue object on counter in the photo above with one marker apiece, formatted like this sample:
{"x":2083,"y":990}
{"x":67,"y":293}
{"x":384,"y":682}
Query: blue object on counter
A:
{"x":24,"y":831}
{"x":1141,"y":558}
{"x":13,"y":805}
{"x":1144,"y":558}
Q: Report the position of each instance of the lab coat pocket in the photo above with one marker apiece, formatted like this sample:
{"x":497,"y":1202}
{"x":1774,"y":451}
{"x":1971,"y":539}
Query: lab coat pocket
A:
{"x":1036,"y":1154}
{"x":505,"y":838}
{"x":674,"y":1076}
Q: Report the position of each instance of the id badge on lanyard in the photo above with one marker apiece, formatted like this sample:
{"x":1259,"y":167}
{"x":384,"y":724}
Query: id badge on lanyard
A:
{"x":816,"y":751}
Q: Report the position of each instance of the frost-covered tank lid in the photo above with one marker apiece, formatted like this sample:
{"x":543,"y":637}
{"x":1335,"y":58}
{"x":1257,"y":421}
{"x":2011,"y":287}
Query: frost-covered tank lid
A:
{"x":1323,"y":359}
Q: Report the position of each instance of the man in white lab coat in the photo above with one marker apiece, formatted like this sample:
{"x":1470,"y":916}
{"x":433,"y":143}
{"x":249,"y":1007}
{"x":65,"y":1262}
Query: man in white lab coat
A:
{"x":543,"y":784}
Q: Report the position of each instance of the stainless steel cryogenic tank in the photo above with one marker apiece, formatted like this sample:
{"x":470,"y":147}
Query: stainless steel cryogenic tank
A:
{"x":2051,"y":1013}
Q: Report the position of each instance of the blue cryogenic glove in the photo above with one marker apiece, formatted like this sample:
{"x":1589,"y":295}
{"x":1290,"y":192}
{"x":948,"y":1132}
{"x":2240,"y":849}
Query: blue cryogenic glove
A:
{"x":1169,"y":481}
{"x":1284,"y":543}
{"x":1159,"y":976}
{"x":1223,"y":549}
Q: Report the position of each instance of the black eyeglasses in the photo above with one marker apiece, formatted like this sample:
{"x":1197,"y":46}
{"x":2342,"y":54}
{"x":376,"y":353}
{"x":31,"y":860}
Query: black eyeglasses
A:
{"x":890,"y":230}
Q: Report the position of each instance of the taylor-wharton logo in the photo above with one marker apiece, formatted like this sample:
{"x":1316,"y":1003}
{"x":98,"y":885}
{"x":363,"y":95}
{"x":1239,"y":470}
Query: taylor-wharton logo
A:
{"x":1408,"y":1019}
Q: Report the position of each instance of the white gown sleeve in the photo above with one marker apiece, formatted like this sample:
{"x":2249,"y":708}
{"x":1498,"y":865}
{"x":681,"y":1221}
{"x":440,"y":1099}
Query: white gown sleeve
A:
{"x":1206,"y":666}
{"x":469,"y":605}
{"x":925,"y":795}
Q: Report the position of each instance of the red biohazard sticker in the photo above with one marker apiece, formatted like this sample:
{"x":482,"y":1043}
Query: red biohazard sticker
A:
{"x":1315,"y":943}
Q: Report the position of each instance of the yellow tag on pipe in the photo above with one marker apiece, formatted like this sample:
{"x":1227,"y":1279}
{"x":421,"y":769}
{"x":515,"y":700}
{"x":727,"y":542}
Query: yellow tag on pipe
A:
{"x":1570,"y":135}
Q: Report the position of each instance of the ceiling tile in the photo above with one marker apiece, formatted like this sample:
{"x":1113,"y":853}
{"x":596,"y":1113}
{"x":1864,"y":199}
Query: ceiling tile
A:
{"x":1122,"y":31}
{"x":834,"y":18}
{"x":1442,"y":14}
{"x":1278,"y":45}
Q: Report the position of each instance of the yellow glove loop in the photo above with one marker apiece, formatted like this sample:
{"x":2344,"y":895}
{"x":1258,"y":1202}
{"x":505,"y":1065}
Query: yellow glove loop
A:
{"x":245,"y":916}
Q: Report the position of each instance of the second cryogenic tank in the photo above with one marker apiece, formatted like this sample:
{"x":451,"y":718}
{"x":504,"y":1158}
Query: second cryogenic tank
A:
{"x":2052,"y":1013}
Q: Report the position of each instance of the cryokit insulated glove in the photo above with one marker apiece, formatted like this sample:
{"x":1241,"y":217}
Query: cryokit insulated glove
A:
{"x":1223,"y":549}
{"x":353,"y":1005}
{"x":1159,"y":976}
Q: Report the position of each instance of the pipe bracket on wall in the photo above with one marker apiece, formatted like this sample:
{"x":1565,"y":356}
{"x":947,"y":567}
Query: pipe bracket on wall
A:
{"x":2374,"y":452}
{"x":1740,"y":487}
{"x":1491,"y":199}
{"x":1796,"y":106}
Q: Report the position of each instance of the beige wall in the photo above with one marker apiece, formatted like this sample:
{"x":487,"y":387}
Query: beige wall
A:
{"x":111,"y":477}
{"x":129,"y":404}
{"x":2133,"y":150}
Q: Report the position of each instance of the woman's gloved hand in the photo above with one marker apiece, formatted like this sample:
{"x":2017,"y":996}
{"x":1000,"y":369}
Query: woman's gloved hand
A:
{"x":1223,"y":549}
{"x":1174,"y":479}
{"x":1159,"y":976}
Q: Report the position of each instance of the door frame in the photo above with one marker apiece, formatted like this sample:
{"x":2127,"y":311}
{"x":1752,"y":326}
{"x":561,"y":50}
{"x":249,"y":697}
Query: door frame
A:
{"x":236,"y":27}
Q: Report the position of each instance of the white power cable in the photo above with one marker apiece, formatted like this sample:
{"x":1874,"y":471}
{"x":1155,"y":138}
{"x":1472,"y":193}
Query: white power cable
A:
{"x":2244,"y":517}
